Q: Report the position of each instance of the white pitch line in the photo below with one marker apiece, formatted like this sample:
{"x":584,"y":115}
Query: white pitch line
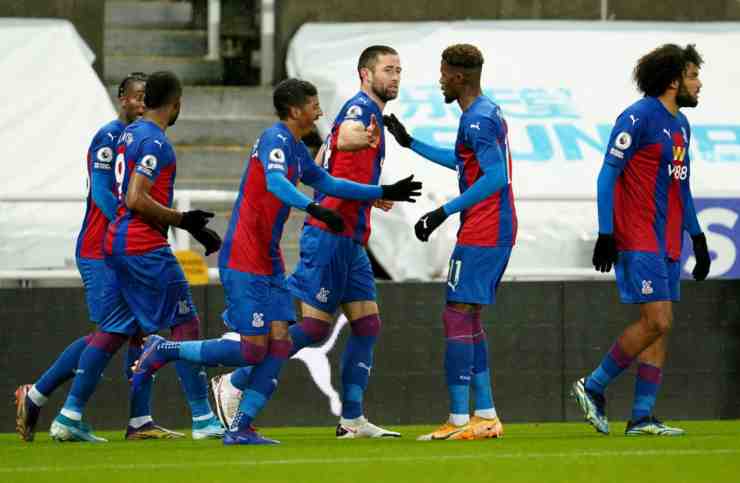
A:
{"x":392,"y":459}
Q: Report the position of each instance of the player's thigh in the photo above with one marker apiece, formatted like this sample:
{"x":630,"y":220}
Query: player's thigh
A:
{"x":156,"y":289}
{"x":115,"y":314}
{"x":475,"y":273}
{"x":642,"y":277}
{"x":320,"y":277}
{"x":254,"y":301}
{"x":93,"y":273}
{"x":360,"y":286}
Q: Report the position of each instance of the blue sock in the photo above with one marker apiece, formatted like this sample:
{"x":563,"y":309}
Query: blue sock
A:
{"x":647,"y":384}
{"x":614,"y":363}
{"x":481,"y":382}
{"x":262,"y":383}
{"x":195,"y":386}
{"x":213,"y":352}
{"x":459,"y":357}
{"x":308,"y":332}
{"x":63,"y":369}
{"x":139,"y":402}
{"x":92,"y":362}
{"x":357,"y":361}
{"x":240,"y":377}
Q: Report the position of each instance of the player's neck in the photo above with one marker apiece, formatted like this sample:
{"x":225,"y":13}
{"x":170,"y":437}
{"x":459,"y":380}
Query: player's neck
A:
{"x":294,"y":129}
{"x":122,"y":117}
{"x":468,"y":96}
{"x":157,"y":118}
{"x":669,"y":101}
{"x":376,"y":99}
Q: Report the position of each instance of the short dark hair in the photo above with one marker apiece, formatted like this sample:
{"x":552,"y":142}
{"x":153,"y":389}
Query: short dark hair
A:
{"x":162,"y":88}
{"x":291,"y":93}
{"x":369,"y":56}
{"x":656,"y":70}
{"x":128,"y":80}
{"x":465,"y":56}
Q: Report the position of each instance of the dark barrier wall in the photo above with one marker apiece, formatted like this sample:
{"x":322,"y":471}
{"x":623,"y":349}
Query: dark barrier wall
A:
{"x":542,"y":336}
{"x":88,"y":17}
{"x":291,"y":14}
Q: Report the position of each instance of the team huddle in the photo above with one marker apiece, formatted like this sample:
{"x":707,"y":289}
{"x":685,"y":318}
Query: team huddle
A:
{"x":136,"y":288}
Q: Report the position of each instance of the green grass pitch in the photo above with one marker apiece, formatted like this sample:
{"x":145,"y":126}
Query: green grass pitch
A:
{"x":571,"y":453}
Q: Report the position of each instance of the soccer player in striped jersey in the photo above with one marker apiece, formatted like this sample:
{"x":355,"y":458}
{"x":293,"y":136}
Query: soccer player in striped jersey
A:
{"x":259,"y":306}
{"x":100,"y":210}
{"x":644,"y":206}
{"x":144,"y":288}
{"x":487,"y":234}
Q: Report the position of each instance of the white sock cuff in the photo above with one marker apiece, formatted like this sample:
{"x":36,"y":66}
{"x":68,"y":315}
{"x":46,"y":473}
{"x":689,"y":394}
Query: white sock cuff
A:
{"x":36,"y":396}
{"x":205,"y":417}
{"x":73,"y":415}
{"x":486,"y":413}
{"x":139,"y":421}
{"x":459,"y":419}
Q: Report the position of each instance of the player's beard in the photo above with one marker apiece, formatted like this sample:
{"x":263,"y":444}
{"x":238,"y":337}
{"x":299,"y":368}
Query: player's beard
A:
{"x":382,"y":92}
{"x":173,"y":118}
{"x":684,"y":98}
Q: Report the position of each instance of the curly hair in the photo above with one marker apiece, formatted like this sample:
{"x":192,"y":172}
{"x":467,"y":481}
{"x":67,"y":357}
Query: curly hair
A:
{"x":656,"y":70}
{"x":465,"y":56}
{"x":291,"y":93}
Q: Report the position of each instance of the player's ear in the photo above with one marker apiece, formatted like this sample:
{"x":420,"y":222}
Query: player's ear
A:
{"x":674,"y":84}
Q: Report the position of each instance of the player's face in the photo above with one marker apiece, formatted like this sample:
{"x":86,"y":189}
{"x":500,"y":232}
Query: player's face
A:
{"x":309,"y":113}
{"x":132,"y":101}
{"x":689,"y":87}
{"x":175,"y":112}
{"x":385,"y":77}
{"x":448,"y":82}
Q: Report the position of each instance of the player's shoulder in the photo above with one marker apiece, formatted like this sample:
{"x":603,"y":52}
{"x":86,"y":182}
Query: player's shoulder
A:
{"x":644,"y":108}
{"x":357,"y":107}
{"x":483,"y":112}
{"x":276,"y":135}
{"x":110,"y":132}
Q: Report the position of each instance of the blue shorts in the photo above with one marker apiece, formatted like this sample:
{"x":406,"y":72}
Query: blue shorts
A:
{"x":333,"y":270}
{"x":254,"y":301}
{"x":149,"y":288}
{"x":93,"y":272}
{"x":647,"y":277}
{"x":475,"y":272}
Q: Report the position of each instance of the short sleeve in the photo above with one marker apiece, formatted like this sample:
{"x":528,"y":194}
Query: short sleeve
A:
{"x":625,"y":138}
{"x":154,"y":155}
{"x":274,"y":152}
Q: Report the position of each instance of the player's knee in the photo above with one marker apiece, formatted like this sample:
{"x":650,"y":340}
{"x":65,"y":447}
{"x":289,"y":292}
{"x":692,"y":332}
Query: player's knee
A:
{"x":368,"y":326}
{"x":281,"y":348}
{"x":252,"y":353}
{"x":457,"y":323}
{"x":189,"y":330}
{"x":107,"y":341}
{"x":316,"y":329}
{"x":660,"y":323}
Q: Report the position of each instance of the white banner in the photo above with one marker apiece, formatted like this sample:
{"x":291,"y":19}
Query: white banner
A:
{"x":561,"y":85}
{"x":53,"y":105}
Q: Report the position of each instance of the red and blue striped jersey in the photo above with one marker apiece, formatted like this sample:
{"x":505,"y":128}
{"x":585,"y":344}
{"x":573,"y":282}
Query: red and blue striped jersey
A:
{"x":361,"y":166}
{"x":100,"y":158}
{"x":252,"y":241}
{"x":650,"y":146}
{"x":143,"y":148}
{"x":491,"y":222}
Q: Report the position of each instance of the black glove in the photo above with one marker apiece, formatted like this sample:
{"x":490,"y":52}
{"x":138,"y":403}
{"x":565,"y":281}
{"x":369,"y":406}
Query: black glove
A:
{"x":209,"y":239}
{"x":605,"y":253}
{"x":428,"y":223}
{"x":195,"y":220}
{"x":701,"y":253}
{"x":396,"y":128}
{"x":330,"y":217}
{"x":405,"y":190}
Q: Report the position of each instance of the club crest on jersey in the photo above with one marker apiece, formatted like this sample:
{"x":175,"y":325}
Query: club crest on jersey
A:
{"x":647,"y":287}
{"x":128,"y":138}
{"x":623,"y":140}
{"x":353,"y":112}
{"x":104,"y":155}
{"x":323,"y":295}
{"x":258,"y":319}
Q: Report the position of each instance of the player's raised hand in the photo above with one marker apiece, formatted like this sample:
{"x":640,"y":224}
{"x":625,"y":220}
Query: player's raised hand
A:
{"x":605,"y":253}
{"x":398,"y":130}
{"x":429,"y":222}
{"x":195,"y":220}
{"x":373,"y":132}
{"x":404,"y":190}
{"x":209,"y":239}
{"x":330,"y":217}
{"x":701,"y":253}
